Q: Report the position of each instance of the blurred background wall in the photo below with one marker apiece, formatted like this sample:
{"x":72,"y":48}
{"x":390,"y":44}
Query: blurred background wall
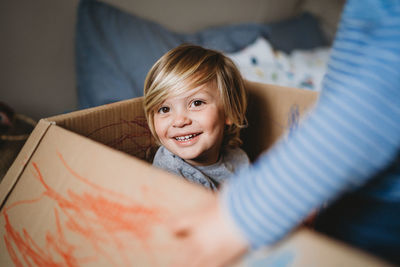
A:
{"x":37,"y":75}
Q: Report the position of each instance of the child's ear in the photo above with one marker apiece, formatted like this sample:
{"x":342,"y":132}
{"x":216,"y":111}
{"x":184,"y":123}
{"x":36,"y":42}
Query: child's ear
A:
{"x":228,"y":121}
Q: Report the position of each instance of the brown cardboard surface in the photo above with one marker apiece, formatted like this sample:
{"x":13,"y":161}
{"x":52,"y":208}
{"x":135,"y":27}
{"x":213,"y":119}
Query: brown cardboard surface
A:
{"x":272,"y":111}
{"x":309,"y":248}
{"x":120,"y":125}
{"x":20,"y":162}
{"x":84,"y":203}
{"x":82,"y":194}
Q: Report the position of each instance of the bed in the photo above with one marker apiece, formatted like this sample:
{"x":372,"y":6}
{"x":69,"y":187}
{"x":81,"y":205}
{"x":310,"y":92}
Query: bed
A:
{"x":115,"y":49}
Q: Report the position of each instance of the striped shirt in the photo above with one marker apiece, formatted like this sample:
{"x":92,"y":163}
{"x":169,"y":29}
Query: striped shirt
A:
{"x":352,"y":135}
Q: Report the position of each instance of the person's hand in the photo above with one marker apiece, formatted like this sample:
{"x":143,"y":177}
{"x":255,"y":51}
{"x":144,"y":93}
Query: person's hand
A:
{"x":207,"y":236}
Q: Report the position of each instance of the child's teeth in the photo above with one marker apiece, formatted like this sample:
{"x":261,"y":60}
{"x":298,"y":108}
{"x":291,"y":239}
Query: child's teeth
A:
{"x":184,"y":138}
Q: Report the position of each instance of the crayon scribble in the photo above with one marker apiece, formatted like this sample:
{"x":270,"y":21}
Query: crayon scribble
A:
{"x":99,"y":219}
{"x":293,"y":119}
{"x":139,"y":130}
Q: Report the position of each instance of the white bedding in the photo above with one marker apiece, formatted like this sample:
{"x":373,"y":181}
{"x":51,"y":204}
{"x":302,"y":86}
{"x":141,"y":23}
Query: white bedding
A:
{"x":300,"y":69}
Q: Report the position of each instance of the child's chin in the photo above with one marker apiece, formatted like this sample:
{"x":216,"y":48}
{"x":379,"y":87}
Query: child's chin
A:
{"x":196,"y":161}
{"x":189,"y":158}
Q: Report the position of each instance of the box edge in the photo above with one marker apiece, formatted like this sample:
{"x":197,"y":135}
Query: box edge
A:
{"x":17,"y":168}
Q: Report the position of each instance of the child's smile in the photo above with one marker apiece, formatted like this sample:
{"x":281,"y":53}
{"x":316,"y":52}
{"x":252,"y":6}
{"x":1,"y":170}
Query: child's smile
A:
{"x":192,"y":125}
{"x":186,"y":138}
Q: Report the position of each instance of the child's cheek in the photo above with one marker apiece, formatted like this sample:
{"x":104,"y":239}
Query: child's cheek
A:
{"x":161,"y":126}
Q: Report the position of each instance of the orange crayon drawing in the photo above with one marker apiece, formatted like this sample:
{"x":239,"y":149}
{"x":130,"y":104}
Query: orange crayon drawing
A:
{"x":93,"y":225}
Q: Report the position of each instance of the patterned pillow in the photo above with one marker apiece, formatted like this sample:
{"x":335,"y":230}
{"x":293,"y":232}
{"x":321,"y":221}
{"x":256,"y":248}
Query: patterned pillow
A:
{"x":115,"y":50}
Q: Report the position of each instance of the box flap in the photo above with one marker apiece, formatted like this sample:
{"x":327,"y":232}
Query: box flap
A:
{"x":121,"y":125}
{"x":309,"y":248}
{"x":83,"y":202}
{"x":273,"y":111}
{"x":19,"y":164}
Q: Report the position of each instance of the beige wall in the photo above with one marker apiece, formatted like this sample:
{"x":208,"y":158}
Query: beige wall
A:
{"x":37,"y":46}
{"x":36,"y":51}
{"x":192,"y":15}
{"x":37,"y":75}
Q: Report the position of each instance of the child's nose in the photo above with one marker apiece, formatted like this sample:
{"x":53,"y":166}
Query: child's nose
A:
{"x":181,"y":120}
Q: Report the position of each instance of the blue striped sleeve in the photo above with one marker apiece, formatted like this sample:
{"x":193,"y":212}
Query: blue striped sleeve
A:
{"x":352,"y":134}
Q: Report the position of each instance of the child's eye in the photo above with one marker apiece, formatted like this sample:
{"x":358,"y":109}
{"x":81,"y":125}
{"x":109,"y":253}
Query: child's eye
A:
{"x":197,"y":103}
{"x":163,"y":110}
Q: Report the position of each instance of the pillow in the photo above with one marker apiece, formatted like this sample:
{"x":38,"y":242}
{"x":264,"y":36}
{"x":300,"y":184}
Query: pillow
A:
{"x":115,"y":50}
{"x":303,"y":69}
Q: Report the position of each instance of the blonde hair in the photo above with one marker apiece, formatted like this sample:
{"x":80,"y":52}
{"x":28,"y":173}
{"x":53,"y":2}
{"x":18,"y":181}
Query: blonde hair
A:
{"x":189,"y":66}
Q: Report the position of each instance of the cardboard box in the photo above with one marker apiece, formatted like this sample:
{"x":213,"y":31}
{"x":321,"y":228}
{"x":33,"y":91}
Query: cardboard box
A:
{"x":83,"y":193}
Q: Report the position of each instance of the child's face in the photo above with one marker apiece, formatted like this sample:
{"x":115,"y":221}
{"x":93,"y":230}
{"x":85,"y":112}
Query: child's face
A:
{"x":192,"y":125}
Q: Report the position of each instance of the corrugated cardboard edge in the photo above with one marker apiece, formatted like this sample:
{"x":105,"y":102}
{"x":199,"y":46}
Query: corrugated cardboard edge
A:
{"x":343,"y":254}
{"x":63,"y":119}
{"x":19,"y":164}
{"x":307,"y":247}
{"x":121,"y":125}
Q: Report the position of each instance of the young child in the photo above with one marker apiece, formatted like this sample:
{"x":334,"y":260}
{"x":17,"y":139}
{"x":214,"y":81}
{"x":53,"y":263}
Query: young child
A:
{"x":195,"y":103}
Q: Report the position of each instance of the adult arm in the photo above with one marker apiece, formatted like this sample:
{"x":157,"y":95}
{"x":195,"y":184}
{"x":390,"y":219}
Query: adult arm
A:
{"x":352,"y":134}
